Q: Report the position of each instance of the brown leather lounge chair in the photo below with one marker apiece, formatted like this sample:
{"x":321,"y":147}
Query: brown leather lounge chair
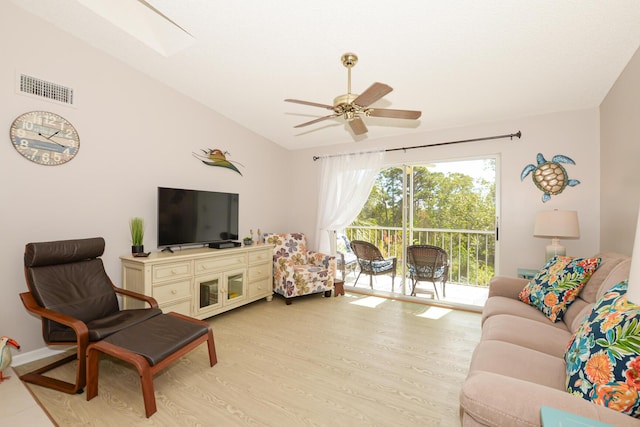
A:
{"x":71,"y":292}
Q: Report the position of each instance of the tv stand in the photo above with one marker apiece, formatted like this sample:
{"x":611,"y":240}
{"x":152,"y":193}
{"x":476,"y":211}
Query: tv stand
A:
{"x":167,"y":249}
{"x":224,"y":244}
{"x":200,"y":282}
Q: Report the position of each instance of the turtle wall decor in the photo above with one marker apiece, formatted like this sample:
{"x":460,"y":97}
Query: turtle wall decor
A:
{"x":550,"y":176}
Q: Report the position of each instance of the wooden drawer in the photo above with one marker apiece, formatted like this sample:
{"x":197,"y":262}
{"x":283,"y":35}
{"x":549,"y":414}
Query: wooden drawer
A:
{"x":258,"y":272}
{"x":164,"y":272}
{"x":182,"y":307}
{"x":221,"y":263}
{"x":262,"y":287}
{"x":172,"y":291}
{"x":260,"y":256}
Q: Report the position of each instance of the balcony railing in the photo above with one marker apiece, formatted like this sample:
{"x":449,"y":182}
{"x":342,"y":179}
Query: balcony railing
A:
{"x":471,"y":252}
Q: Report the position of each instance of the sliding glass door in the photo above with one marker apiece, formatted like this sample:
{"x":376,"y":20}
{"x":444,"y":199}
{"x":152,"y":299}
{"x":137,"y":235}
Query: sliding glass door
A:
{"x":452,"y":205}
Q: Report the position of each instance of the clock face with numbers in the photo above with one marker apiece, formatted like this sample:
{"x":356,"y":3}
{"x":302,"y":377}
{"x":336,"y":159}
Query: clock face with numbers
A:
{"x":44,"y":138}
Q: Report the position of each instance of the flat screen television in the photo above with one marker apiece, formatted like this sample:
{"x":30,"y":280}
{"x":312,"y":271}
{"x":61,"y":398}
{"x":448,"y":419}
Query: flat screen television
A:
{"x":190,"y":217}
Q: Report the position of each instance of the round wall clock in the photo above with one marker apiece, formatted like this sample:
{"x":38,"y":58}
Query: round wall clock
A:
{"x":44,"y":138}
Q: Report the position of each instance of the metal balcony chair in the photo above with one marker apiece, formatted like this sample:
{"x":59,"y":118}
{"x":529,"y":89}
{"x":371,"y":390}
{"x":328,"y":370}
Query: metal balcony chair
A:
{"x":427,"y":263}
{"x":345,"y":258}
{"x":372,"y":262}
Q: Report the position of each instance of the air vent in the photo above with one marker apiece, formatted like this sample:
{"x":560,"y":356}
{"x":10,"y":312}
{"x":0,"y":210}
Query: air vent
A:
{"x":42,"y":88}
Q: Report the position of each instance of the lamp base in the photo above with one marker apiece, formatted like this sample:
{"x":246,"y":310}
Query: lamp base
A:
{"x":554,"y":249}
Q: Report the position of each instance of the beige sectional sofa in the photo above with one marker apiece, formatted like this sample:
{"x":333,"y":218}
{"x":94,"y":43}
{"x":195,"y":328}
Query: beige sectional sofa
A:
{"x":518,"y":366}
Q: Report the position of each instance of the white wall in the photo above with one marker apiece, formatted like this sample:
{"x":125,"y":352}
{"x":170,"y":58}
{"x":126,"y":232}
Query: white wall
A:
{"x":619,"y":155}
{"x":574,"y":134}
{"x":135,"y":135}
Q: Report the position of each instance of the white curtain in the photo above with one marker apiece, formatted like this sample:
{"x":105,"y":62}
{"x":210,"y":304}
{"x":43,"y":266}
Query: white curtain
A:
{"x":345,"y":184}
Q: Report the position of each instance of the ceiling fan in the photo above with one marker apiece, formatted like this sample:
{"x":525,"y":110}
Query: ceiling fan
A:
{"x":352,"y":107}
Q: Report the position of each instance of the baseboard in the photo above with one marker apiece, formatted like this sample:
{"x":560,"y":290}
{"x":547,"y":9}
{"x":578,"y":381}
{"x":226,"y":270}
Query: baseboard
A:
{"x":40,"y":353}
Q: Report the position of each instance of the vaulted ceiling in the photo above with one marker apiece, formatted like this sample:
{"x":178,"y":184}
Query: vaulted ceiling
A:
{"x":460,"y":62}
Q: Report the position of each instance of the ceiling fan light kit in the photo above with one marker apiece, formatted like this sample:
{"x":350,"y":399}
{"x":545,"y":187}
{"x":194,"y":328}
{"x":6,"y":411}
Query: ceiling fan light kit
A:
{"x":352,"y":107}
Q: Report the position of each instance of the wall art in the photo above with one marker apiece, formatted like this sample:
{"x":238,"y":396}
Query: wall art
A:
{"x":550,"y":176}
{"x":217,"y":157}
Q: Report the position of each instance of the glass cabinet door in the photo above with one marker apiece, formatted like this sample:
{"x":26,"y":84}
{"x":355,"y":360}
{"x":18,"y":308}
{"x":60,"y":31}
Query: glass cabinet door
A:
{"x":208,"y":292}
{"x":236,"y":282}
{"x":214,"y":291}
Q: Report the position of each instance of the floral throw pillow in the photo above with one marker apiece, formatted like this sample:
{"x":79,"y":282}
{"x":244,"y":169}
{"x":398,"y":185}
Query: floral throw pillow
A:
{"x":559,"y":282}
{"x":603,"y":357}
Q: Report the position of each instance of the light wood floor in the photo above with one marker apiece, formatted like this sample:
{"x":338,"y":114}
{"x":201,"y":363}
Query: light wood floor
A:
{"x":347,"y":361}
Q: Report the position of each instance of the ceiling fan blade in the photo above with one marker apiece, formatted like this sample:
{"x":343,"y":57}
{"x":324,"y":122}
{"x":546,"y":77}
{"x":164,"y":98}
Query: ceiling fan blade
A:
{"x":357,"y":126}
{"x":313,"y":104}
{"x":316,"y":121}
{"x":372,"y":94}
{"x":394,"y":114}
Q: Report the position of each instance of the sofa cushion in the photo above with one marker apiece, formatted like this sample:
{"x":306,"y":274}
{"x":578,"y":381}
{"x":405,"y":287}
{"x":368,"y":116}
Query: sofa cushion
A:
{"x":527,"y":333}
{"x":603,"y":358}
{"x":488,"y":399}
{"x":504,"y":305}
{"x":557,"y":284}
{"x":518,"y":362}
{"x":613,"y":269}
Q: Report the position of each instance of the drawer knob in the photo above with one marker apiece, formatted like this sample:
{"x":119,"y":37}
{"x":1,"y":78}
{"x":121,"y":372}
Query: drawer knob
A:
{"x":173,"y":291}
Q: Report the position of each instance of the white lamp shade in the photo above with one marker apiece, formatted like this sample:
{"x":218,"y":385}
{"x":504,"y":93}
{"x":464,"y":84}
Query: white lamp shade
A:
{"x":633,"y":292}
{"x":558,"y":224}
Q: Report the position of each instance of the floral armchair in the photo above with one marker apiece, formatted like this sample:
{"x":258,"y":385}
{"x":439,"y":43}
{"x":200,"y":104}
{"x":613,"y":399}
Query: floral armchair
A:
{"x":297,"y":271}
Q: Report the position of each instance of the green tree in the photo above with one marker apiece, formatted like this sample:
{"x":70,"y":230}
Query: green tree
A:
{"x":447,"y":201}
{"x":440,"y":201}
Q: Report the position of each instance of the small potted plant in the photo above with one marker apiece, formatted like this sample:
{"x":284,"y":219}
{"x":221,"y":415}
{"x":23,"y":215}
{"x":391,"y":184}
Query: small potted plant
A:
{"x":248,"y":241}
{"x":136,"y":226}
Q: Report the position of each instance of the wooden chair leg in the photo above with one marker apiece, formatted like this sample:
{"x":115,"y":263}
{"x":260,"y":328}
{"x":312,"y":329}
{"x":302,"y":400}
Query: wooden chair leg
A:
{"x":37,"y":376}
{"x":93,"y":359}
{"x":146,"y":380}
{"x":213,"y":357}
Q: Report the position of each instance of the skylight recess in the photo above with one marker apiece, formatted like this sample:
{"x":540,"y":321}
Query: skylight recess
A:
{"x":143,"y":21}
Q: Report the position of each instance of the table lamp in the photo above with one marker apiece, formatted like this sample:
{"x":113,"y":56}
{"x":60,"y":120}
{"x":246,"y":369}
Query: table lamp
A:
{"x":556,"y":224}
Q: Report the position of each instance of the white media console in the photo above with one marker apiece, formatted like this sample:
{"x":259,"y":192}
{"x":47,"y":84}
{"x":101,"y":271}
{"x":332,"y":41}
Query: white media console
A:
{"x":201,"y":282}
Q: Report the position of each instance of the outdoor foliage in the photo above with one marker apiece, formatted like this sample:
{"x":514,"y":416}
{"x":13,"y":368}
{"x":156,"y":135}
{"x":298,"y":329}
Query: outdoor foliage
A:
{"x":446,"y":207}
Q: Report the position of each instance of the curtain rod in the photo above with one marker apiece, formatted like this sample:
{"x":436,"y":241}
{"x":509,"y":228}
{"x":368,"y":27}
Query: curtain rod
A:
{"x":511,"y":136}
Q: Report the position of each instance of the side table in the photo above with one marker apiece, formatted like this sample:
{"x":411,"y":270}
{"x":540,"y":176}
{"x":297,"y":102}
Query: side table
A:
{"x":338,"y":287}
{"x":527,"y":273}
{"x":552,"y":417}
